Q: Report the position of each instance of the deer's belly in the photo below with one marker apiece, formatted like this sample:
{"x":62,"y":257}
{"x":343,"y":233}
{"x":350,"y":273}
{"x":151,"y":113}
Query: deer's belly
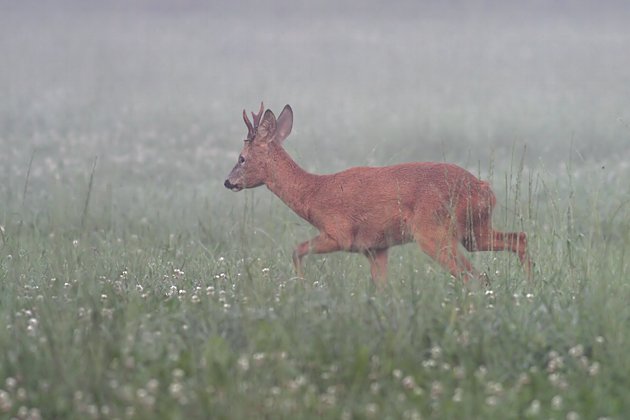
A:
{"x":371,"y":237}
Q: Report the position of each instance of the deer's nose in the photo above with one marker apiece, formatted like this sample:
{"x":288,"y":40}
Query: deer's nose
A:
{"x":228,"y":184}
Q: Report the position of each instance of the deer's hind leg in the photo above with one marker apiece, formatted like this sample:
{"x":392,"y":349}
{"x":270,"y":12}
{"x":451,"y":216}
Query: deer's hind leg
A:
{"x":481,"y":237}
{"x":441,"y":244}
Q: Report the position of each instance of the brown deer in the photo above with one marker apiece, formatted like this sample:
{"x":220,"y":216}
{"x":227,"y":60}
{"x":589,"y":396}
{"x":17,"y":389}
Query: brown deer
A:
{"x":369,"y":209}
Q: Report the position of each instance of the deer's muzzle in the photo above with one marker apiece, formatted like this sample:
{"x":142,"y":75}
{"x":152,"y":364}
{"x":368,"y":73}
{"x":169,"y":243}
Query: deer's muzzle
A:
{"x":231,"y":186}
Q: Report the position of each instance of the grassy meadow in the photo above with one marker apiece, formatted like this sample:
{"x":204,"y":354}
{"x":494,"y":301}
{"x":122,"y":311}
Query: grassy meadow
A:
{"x":133,"y":285}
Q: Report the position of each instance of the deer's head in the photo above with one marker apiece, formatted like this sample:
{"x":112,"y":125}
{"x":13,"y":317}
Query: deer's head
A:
{"x":263,"y":136}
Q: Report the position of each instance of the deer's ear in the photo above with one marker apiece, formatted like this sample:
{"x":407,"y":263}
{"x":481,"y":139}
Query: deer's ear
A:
{"x":284,"y":124}
{"x":267,"y":126}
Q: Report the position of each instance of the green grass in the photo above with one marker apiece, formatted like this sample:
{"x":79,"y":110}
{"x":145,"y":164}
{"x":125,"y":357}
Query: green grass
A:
{"x":133,"y":285}
{"x":195,"y":312}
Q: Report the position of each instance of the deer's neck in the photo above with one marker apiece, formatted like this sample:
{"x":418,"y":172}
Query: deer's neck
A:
{"x":292,"y":184}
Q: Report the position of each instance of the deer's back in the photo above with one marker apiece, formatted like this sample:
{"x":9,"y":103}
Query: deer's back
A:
{"x":407,"y":184}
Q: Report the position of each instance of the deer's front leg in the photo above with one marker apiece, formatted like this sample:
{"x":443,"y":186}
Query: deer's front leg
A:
{"x":378,"y":266}
{"x":320,"y":244}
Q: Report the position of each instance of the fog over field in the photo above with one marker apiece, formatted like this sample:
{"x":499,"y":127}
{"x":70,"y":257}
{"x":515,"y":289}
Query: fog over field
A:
{"x":121,"y":250}
{"x":154,"y":90}
{"x":369,"y":83}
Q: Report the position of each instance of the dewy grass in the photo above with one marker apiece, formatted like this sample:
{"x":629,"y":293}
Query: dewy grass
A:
{"x":150,"y":320}
{"x":153,"y":325}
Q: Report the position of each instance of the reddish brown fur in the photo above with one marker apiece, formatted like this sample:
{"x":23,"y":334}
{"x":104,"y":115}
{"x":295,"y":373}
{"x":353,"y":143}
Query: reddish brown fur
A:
{"x":369,"y":209}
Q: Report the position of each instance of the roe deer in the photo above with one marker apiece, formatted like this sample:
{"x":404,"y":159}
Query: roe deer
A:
{"x":369,"y":209}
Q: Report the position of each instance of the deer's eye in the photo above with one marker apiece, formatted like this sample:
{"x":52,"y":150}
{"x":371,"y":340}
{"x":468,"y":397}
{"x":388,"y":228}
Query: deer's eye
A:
{"x":241,"y":159}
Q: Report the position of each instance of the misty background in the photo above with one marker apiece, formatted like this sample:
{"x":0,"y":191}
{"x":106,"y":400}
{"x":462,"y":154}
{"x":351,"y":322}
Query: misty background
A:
{"x":154,"y":90}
